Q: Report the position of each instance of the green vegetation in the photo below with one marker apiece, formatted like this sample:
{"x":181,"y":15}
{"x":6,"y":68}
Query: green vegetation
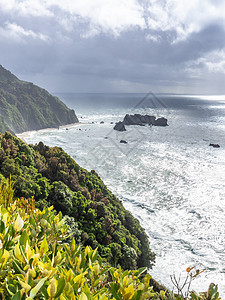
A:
{"x":36,"y":262}
{"x":24,"y":106}
{"x":44,"y":255}
{"x":98,"y":218}
{"x":39,"y":257}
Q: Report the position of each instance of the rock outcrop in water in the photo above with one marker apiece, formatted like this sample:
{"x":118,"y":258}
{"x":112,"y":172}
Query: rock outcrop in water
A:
{"x":140,"y":120}
{"x":214,"y":145}
{"x":120,"y":126}
{"x":25,"y":106}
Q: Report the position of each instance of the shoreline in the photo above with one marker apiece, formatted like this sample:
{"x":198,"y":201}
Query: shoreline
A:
{"x":25,"y":134}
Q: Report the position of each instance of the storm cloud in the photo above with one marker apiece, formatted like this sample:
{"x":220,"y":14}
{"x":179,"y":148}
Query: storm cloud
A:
{"x":115,"y":45}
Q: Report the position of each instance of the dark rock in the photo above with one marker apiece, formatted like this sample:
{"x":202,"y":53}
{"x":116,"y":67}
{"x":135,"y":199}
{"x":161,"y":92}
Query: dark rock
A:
{"x":132,"y":120}
{"x":123,"y":142}
{"x":214,"y":145}
{"x":138,"y":119}
{"x":119,"y":126}
{"x":160,"y":122}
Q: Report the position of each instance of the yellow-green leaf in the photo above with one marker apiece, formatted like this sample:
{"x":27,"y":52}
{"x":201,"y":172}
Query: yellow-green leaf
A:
{"x":129,"y":292}
{"x":61,"y":285}
{"x":17,"y":253}
{"x":73,"y":245}
{"x":24,"y":238}
{"x":83,"y":297}
{"x":44,"y":246}
{"x":87,"y":250}
{"x":94,"y":253}
{"x":18,"y":223}
{"x":78,"y":277}
{"x":5,"y":256}
{"x":69,"y":275}
{"x":36,"y":289}
{"x":28,"y":251}
{"x":24,"y":285}
{"x":52,"y":288}
{"x":58,"y":258}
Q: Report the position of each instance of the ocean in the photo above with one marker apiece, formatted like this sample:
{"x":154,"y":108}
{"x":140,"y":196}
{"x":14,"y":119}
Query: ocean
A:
{"x":168,"y":177}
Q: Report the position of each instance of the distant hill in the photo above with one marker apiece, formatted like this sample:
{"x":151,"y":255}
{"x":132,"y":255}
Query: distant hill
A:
{"x":25,"y":106}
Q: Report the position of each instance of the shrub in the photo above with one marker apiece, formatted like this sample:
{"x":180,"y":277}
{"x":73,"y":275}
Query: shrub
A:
{"x":35,"y":263}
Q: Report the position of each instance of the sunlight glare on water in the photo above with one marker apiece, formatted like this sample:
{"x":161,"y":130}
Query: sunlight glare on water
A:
{"x":169,"y":178}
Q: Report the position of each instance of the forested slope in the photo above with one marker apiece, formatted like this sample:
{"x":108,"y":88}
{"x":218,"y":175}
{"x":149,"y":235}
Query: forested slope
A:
{"x":25,"y":106}
{"x":97,"y":216}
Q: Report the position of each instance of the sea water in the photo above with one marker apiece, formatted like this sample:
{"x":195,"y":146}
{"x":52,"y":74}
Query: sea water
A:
{"x":168,"y":177}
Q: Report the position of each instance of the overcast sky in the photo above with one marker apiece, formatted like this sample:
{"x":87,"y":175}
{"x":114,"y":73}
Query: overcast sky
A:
{"x":175,"y":46}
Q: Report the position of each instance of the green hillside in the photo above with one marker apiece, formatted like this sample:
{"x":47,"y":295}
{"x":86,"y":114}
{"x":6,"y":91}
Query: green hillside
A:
{"x":97,"y":217}
{"x":25,"y":106}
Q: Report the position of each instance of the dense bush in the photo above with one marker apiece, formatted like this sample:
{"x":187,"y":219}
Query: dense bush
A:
{"x":35,"y":263}
{"x":52,"y":177}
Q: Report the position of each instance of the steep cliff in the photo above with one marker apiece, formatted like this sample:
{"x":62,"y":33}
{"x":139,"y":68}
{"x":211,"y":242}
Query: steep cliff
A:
{"x":25,"y":106}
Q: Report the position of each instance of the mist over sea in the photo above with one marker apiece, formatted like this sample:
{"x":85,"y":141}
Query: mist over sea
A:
{"x":168,"y":177}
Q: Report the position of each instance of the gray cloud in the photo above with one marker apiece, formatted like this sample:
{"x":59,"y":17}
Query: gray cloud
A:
{"x":156,"y":46}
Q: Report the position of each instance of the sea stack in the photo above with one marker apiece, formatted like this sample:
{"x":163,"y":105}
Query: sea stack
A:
{"x":140,"y":120}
